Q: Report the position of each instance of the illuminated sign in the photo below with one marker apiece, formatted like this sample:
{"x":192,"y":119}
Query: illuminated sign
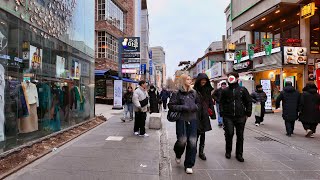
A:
{"x":308,"y":10}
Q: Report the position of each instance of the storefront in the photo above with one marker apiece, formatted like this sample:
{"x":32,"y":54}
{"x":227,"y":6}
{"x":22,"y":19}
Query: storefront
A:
{"x":46,"y":72}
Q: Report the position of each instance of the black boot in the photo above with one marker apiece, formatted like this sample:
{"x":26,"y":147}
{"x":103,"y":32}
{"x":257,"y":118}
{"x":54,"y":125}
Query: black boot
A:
{"x":201,"y":153}
{"x":239,"y":158}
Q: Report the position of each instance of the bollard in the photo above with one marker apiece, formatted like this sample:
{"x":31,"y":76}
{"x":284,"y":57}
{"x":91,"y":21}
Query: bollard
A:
{"x":155,"y":121}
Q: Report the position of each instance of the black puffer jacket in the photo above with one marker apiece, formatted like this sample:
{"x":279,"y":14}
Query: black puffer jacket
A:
{"x":206,"y":102}
{"x":290,"y":103}
{"x":259,"y":96}
{"x":186,"y":103}
{"x":310,"y":106}
{"x":127,"y":98}
{"x":235,"y":102}
{"x":217,"y":95}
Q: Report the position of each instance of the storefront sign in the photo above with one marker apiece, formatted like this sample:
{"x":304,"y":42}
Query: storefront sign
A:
{"x":36,"y":57}
{"x":150,"y":67}
{"x":131,"y":44}
{"x":143,"y":69}
{"x":60,"y":66}
{"x":311,"y":72}
{"x":243,"y":65}
{"x":131,"y":55}
{"x":117,"y":94}
{"x":260,"y":54}
{"x":308,"y":10}
{"x":266,"y":86}
{"x":238,"y":55}
{"x":251,"y":50}
{"x":127,"y":61}
{"x":231,"y":46}
{"x":216,"y":70}
{"x":129,"y":66}
{"x":230,"y":56}
{"x":267,"y":45}
{"x":129,"y":71}
{"x":295,"y":55}
{"x":3,"y":56}
{"x":2,"y":87}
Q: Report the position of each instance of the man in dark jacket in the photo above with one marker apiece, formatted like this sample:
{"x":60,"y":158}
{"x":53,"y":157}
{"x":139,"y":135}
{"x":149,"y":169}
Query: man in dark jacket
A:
{"x":235,"y":108}
{"x":290,"y":106}
{"x":217,"y":96}
{"x":164,"y":98}
{"x":259,"y":97}
{"x":203,"y":88}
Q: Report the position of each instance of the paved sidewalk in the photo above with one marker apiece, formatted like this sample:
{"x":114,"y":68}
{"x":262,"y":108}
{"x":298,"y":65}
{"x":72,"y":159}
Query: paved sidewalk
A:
{"x":92,"y":157}
{"x":267,"y":159}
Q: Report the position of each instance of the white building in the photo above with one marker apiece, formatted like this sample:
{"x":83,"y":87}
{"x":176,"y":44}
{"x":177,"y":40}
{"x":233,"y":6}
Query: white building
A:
{"x":159,"y":60}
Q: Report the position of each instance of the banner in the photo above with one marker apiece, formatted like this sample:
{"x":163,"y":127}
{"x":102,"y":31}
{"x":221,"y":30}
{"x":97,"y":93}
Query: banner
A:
{"x":117,"y":94}
{"x":75,"y":70}
{"x":238,"y":55}
{"x":35,"y":58}
{"x":295,"y":55}
{"x":266,"y":86}
{"x":251,"y":50}
{"x":267,"y":45}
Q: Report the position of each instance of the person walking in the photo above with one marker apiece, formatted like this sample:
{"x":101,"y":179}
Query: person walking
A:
{"x":204,"y":88}
{"x":154,"y":99}
{"x":235,"y":108}
{"x":310,"y":109}
{"x":141,"y":105}
{"x":290,"y":106}
{"x":259,"y":97}
{"x":185,"y":101}
{"x":217,"y":96}
{"x":128,"y":104}
{"x":164,"y":98}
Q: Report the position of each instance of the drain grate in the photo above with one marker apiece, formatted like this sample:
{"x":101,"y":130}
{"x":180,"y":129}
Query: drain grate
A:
{"x":264,"y":138}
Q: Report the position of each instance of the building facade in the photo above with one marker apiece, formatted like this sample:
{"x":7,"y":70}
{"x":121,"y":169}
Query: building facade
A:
{"x":159,"y":60}
{"x":46,"y":68}
{"x":145,"y":59}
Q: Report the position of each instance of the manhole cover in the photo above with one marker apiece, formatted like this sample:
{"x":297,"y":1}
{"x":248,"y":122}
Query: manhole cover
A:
{"x":114,"y":138}
{"x":264,"y":138}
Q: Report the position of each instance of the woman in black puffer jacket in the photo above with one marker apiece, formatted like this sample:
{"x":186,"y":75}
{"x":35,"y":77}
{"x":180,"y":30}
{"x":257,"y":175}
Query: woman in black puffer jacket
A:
{"x":309,"y":109}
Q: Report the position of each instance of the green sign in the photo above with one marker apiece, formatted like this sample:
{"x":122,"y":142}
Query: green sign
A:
{"x":251,"y":50}
{"x":267,"y":45}
{"x":238,"y":55}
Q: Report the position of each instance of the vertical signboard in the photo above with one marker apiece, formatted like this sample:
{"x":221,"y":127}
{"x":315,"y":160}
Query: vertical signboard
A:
{"x":117,"y":94}
{"x":266,"y":86}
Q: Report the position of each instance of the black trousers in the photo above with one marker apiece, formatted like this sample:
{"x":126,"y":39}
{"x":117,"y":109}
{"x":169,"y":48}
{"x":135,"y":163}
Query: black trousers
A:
{"x":311,"y":126}
{"x":229,"y":124}
{"x":289,"y":126}
{"x":164,"y":102}
{"x":202,"y":136}
{"x":140,"y":122}
{"x":261,"y":118}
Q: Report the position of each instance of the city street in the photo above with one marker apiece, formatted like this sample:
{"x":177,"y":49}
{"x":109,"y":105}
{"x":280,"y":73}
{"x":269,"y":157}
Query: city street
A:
{"x":268,"y":154}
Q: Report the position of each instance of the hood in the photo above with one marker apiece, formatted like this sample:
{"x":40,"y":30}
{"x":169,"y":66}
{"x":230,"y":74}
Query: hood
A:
{"x":289,"y":89}
{"x":197,"y":85}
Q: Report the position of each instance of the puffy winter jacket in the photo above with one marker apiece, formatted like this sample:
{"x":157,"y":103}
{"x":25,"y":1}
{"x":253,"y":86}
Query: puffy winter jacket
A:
{"x":217,"y":95}
{"x":290,"y":103}
{"x":235,"y":102}
{"x":259,"y":97}
{"x":310,"y":106}
{"x":186,"y":103}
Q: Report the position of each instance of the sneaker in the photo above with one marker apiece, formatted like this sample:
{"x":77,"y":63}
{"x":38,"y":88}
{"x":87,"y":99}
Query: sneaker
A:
{"x":178,"y":161}
{"x":189,"y":171}
{"x":312,"y":136}
{"x":309,"y":132}
{"x":144,"y":135}
{"x":261,"y":123}
{"x":123,"y":119}
{"x":136,"y":133}
{"x":257,"y":124}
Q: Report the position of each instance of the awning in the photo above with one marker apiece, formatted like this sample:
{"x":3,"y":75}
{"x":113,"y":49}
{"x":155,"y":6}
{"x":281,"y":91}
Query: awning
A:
{"x":100,"y":72}
{"x":129,"y":80}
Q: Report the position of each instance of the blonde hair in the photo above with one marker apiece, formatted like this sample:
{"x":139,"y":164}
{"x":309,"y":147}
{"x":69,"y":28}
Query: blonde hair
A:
{"x":183,"y":79}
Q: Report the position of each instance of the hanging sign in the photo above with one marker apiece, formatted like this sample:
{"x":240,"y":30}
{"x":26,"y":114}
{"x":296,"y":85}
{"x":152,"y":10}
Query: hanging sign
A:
{"x":267,"y":45}
{"x":266,"y":86}
{"x":251,"y":50}
{"x":308,"y":10}
{"x":238,"y":55}
{"x":117,"y":94}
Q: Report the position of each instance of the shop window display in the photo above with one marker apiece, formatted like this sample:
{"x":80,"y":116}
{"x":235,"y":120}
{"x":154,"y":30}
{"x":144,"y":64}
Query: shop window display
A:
{"x":41,"y":85}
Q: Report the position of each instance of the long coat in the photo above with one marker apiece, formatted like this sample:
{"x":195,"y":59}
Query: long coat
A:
{"x":290,"y":103}
{"x":154,"y":101}
{"x":310,"y":106}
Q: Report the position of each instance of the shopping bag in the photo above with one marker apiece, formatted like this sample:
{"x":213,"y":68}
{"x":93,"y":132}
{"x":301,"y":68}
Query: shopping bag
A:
{"x":257,"y":109}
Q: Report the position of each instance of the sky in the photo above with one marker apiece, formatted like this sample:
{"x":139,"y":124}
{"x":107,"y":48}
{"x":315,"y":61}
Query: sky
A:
{"x":185,"y":28}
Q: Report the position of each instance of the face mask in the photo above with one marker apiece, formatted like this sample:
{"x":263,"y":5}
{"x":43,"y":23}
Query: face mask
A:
{"x":232,"y":79}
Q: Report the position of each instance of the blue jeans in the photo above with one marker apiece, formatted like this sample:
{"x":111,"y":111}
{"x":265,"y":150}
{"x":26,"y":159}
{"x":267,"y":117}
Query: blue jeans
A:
{"x":186,"y":139}
{"x":128,"y":108}
{"x":220,"y":119}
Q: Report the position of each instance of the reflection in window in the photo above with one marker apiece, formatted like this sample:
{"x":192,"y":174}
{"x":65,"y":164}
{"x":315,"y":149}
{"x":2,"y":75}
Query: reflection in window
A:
{"x":107,"y":46}
{"x":243,"y":39}
{"x":108,"y":10}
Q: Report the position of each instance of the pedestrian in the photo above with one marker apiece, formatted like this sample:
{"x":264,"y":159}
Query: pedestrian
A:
{"x":290,"y":104}
{"x":310,"y":109}
{"x":204,"y":89}
{"x":235,"y":108}
{"x":164,"y":98}
{"x":259,"y":97}
{"x":154,"y":99}
{"x":217,"y":96}
{"x":128,"y":104}
{"x":185,"y":101}
{"x":141,"y":106}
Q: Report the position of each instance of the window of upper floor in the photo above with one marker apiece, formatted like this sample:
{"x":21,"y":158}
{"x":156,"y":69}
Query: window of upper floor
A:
{"x":107,"y":10}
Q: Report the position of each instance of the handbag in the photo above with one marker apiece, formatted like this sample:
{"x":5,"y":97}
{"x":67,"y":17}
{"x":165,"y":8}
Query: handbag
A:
{"x":257,"y":110}
{"x":210,"y":112}
{"x":173,"y":116}
{"x":144,"y":102}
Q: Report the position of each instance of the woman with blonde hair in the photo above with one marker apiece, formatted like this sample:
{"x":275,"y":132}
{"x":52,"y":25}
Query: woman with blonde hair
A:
{"x":185,"y":101}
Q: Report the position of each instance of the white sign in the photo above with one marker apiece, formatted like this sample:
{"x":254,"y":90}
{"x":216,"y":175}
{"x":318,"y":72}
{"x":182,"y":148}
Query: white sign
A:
{"x":295,"y":55}
{"x":117,"y":94}
{"x":129,"y":71}
{"x":259,"y":54}
{"x":2,"y":87}
{"x":230,"y":56}
{"x":243,"y":65}
{"x":216,"y":70}
{"x":128,"y":66}
{"x":266,"y":86}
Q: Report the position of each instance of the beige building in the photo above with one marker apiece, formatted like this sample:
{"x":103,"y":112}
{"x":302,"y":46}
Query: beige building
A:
{"x":159,"y":60}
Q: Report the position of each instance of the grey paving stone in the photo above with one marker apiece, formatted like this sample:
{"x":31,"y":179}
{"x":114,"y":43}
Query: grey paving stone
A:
{"x":94,"y":152}
{"x":227,"y":175}
{"x":265,"y":175}
{"x":301,"y":175}
{"x":180,"y":174}
{"x":141,"y":153}
{"x":301,"y":165}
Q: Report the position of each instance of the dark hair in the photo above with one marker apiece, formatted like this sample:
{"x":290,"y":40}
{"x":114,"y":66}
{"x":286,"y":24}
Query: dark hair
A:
{"x":288,"y":84}
{"x":141,"y":82}
{"x":223,"y":83}
{"x":258,"y":86}
{"x":235,"y":74}
{"x":311,"y":85}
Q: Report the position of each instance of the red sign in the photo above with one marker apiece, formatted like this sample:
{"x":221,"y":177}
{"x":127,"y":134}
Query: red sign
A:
{"x":318,"y":79}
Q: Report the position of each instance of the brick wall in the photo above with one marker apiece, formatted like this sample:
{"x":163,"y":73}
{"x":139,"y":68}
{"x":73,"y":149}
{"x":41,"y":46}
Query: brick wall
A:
{"x":128,"y":6}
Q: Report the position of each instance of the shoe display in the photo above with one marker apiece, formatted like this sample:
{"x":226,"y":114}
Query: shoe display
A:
{"x":189,"y":171}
